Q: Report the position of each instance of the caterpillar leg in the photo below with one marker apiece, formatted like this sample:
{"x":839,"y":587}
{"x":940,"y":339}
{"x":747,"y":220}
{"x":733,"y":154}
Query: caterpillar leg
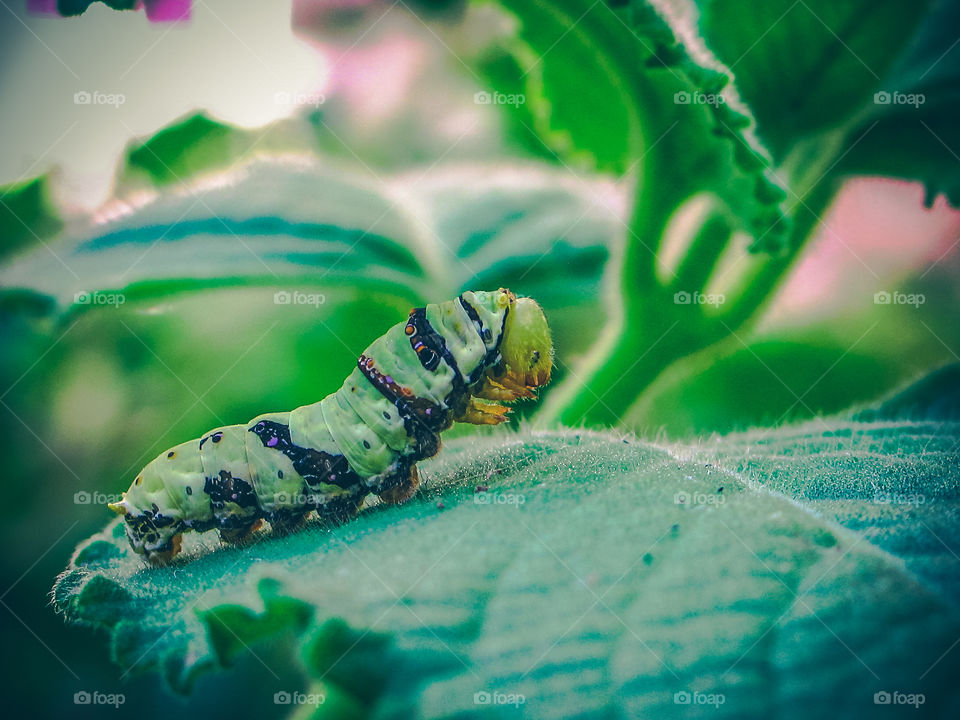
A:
{"x":156,"y":536}
{"x":163,"y":557}
{"x":284,"y":522}
{"x":341,"y":509}
{"x":239,"y":535}
{"x":503,"y":390}
{"x":403,"y":491}
{"x":481,"y":413}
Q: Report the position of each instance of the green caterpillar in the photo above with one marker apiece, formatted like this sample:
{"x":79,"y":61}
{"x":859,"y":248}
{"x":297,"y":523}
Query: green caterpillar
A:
{"x":448,"y":362}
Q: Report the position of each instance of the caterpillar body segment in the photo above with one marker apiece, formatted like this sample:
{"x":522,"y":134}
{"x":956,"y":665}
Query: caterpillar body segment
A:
{"x":448,"y":362}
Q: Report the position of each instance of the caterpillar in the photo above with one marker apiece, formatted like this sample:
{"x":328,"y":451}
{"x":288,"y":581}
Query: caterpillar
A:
{"x":454,"y":361}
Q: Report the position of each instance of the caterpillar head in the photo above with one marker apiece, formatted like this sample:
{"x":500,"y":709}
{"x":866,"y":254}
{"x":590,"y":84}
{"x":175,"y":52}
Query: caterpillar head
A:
{"x":526,"y":348}
{"x":152,"y":531}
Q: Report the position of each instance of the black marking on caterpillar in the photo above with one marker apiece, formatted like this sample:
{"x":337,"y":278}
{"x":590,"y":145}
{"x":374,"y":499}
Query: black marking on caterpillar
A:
{"x":492,"y":358}
{"x":315,"y":466}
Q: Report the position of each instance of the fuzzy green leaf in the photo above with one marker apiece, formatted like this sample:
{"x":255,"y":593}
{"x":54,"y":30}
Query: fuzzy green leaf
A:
{"x":591,"y":573}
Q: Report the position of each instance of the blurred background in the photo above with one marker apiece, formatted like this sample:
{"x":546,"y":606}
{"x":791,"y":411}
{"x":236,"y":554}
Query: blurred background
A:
{"x":207,"y":218}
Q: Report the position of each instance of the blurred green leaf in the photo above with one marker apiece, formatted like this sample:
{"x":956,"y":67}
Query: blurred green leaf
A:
{"x":914,"y":134}
{"x":575,"y":100}
{"x":68,"y":8}
{"x":683,"y":569}
{"x":856,"y":88}
{"x":272,"y":224}
{"x":935,"y":397}
{"x":352,"y":659}
{"x":186,"y":147}
{"x":27,"y":216}
{"x":765,"y":382}
{"x":805,"y":68}
{"x":602,"y":85}
{"x":199,"y":146}
{"x":501,"y":68}
{"x":232,"y":629}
